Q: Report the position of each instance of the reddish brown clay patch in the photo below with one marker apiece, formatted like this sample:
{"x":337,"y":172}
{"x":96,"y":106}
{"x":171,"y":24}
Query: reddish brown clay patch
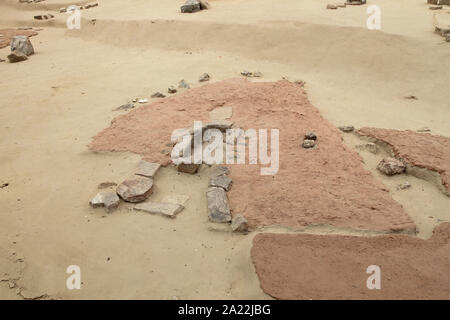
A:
{"x":323,"y":185}
{"x":418,"y":149}
{"x":302,"y":266}
{"x":7,"y":34}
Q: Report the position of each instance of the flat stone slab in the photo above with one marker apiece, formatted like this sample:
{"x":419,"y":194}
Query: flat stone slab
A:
{"x":135,"y":189}
{"x":221,"y":113}
{"x":166,"y":209}
{"x":180,"y":199}
{"x":306,"y":266}
{"x":147,"y":169}
{"x":218,"y":208}
{"x":107,"y":199}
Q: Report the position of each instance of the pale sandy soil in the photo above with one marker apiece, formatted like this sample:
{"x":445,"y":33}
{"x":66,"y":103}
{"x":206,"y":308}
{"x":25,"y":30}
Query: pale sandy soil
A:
{"x":54,"y":103}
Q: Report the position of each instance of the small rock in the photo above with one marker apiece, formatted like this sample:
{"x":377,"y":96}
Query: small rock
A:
{"x":204,"y":77}
{"x":126,"y":106}
{"x":22,"y":44}
{"x":180,"y":199}
{"x":257,"y":74}
{"x":308,"y":144}
{"x":218,"y":208}
{"x":331,"y":6}
{"x":44,"y":16}
{"x":424,"y":129}
{"x":246,"y":73}
{"x":404,"y":185}
{"x":62,"y":10}
{"x":435,"y":7}
{"x":191,"y":6}
{"x":167,"y":209}
{"x":172,"y":89}
{"x":221,"y":181}
{"x":411,"y":97}
{"x":106,"y":199}
{"x":158,"y":95}
{"x":310,"y":136}
{"x":106,"y":184}
{"x":391,"y":166}
{"x":183,"y":84}
{"x":135,"y":189}
{"x":239,"y":224}
{"x":14,"y":57}
{"x":142,"y":101}
{"x":190,"y":168}
{"x":347,"y":128}
{"x":147,"y":169}
{"x":447,"y":37}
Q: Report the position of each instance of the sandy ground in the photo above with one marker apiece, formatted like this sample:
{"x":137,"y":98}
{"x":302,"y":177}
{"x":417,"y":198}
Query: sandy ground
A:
{"x":54,"y":103}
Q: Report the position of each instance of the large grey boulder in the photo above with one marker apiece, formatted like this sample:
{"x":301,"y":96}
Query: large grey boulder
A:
{"x":218,"y":208}
{"x":135,"y":189}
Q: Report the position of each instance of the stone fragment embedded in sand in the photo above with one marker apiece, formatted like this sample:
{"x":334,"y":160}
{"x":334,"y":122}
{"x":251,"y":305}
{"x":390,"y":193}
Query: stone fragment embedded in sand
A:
{"x":404,"y":185}
{"x":331,"y":6}
{"x":346,"y":128}
{"x":447,"y":37}
{"x":183,"y":84}
{"x":44,"y":17}
{"x":158,"y":95}
{"x":22,"y":44}
{"x":107,"y":199}
{"x":180,"y":199}
{"x":126,"y":106}
{"x":239,"y":224}
{"x":190,"y":168}
{"x":166,"y":209}
{"x":308,"y":144}
{"x":171,"y":89}
{"x":106,"y":184}
{"x":204,"y":77}
{"x":191,"y":6}
{"x":147,"y":169}
{"x":218,"y":208}
{"x":391,"y":166}
{"x":221,"y":181}
{"x":135,"y":189}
